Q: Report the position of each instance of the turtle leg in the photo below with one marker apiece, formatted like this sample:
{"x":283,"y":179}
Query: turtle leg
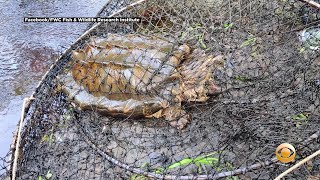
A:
{"x":177,"y":117}
{"x":181,"y":122}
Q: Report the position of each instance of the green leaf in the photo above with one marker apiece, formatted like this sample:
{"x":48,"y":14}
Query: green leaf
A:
{"x":201,"y":160}
{"x":200,"y":39}
{"x":296,"y":118}
{"x":300,"y":116}
{"x":48,"y":175}
{"x":227,"y":26}
{"x":159,"y":170}
{"x":138,"y":177}
{"x":298,"y":124}
{"x":67,"y":117}
{"x":241,"y":78}
{"x":206,"y":160}
{"x":232,"y":178}
{"x":40,"y":178}
{"x":141,"y":177}
{"x":133,"y":177}
{"x":212,"y":153}
{"x":209,"y":161}
{"x":51,"y":138}
{"x":230,"y":166}
{"x":144,"y":165}
{"x":183,"y":35}
{"x":218,"y":169}
{"x":254,"y":54}
{"x":198,"y":26}
{"x":180,"y":163}
{"x":251,"y":40}
{"x":299,"y":119}
{"x":302,"y":50}
{"x":45,"y":138}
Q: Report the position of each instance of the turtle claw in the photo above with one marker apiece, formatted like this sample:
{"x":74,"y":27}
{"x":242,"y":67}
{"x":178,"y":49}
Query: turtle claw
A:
{"x":182,"y":122}
{"x":177,"y":117}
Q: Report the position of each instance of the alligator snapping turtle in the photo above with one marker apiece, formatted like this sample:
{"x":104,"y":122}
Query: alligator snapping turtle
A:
{"x":137,"y":76}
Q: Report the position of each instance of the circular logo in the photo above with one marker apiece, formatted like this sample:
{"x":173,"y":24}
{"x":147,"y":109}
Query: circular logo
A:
{"x":285,"y":153}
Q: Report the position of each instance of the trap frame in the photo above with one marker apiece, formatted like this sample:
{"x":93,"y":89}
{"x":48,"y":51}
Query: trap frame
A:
{"x":269,"y":95}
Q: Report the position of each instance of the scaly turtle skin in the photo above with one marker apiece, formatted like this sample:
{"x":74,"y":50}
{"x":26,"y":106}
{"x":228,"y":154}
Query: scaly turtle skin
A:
{"x":133,"y":76}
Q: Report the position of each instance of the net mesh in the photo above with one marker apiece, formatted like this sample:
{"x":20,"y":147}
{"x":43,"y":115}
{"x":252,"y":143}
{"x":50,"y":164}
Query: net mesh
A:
{"x":193,"y":90}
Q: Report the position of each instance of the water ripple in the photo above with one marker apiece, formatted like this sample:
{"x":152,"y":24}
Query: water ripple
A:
{"x":28,"y":49}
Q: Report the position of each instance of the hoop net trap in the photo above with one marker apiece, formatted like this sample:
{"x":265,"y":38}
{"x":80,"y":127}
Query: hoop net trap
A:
{"x":195,"y":90}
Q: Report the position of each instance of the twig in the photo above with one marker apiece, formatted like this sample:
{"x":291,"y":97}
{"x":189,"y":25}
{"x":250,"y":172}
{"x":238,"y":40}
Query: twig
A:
{"x":298,"y":165}
{"x":13,"y":148}
{"x":311,"y":3}
{"x":26,"y":101}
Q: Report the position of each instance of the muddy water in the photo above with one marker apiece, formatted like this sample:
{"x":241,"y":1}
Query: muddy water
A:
{"x":28,"y":49}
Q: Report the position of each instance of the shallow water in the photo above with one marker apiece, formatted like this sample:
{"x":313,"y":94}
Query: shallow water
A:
{"x":28,"y":49}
